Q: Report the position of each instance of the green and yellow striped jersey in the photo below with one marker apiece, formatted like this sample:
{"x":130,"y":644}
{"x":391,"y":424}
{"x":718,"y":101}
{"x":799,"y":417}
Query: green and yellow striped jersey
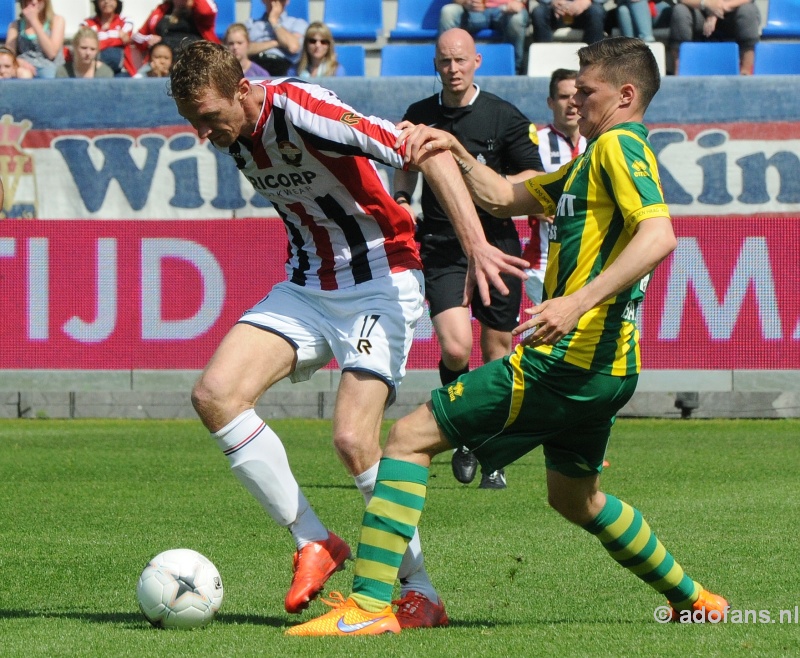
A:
{"x":598,"y":199}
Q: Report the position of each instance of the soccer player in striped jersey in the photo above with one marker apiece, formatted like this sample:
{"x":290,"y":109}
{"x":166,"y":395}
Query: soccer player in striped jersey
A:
{"x":563,"y":385}
{"x":353,"y":292}
{"x":559,"y":142}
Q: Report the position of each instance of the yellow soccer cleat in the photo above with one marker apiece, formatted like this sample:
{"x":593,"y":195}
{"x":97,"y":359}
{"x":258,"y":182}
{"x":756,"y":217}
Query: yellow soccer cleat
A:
{"x":347,"y":618}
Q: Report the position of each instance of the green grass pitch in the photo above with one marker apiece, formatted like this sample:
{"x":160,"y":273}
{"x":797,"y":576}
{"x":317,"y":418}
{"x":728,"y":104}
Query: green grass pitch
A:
{"x":85,"y":504}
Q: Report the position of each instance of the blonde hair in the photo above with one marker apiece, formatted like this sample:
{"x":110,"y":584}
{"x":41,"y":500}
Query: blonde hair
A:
{"x":329,"y":63}
{"x":236,"y":27}
{"x":203,"y":65}
{"x":85,"y":33}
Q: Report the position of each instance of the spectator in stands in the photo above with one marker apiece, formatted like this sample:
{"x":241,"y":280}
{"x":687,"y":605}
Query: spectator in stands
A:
{"x":717,"y":20}
{"x":238,"y":42}
{"x":319,"y":53}
{"x":508,"y":17}
{"x":178,"y":22}
{"x":635,"y":18}
{"x":84,"y":62}
{"x":587,"y":15}
{"x":276,"y":39}
{"x":159,"y":62}
{"x":9,"y":70}
{"x":37,"y":38}
{"x":115,"y":32}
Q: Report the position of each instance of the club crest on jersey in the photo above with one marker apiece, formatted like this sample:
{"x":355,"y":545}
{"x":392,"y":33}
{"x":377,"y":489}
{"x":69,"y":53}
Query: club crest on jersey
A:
{"x":481,"y":159}
{"x":350,"y":118}
{"x":290,"y":153}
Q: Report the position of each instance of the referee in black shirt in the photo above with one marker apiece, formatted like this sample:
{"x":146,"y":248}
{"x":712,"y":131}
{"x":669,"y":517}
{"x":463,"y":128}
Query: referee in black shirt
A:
{"x":500,"y":136}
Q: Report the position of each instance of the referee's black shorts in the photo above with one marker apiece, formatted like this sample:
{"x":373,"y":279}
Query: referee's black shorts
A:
{"x":445,"y":267}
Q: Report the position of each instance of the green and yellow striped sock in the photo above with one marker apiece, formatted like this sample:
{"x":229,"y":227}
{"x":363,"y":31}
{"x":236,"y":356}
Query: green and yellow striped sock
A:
{"x":630,"y":541}
{"x":388,"y":525}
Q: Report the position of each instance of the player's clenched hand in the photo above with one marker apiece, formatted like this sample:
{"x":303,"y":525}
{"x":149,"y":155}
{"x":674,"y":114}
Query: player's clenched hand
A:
{"x":420,"y":140}
{"x":486,"y":264}
{"x":551,"y":321}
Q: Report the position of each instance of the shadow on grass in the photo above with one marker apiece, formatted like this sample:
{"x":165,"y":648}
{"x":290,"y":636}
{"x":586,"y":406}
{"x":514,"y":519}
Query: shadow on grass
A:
{"x":136,"y":619}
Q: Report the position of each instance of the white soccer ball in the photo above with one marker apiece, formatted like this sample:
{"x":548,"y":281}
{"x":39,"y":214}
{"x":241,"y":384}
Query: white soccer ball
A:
{"x":179,"y":588}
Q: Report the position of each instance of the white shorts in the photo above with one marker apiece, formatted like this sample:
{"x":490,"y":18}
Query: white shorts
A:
{"x":367,"y":327}
{"x":534,"y":285}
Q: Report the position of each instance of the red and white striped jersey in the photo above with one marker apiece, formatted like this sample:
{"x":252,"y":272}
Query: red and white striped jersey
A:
{"x":110,"y":36}
{"x":556,"y":150}
{"x":311,"y":155}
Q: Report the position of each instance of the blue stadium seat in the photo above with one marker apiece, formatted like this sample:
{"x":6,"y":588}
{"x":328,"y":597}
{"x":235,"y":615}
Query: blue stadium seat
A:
{"x":226,"y":14}
{"x":783,"y":20}
{"x":708,"y":58}
{"x":354,"y":21}
{"x":417,"y":59}
{"x":777,"y":58}
{"x":352,"y":57}
{"x":417,"y":20}
{"x":296,"y":8}
{"x":407,"y":59}
{"x":8,"y":14}
{"x":498,"y":59}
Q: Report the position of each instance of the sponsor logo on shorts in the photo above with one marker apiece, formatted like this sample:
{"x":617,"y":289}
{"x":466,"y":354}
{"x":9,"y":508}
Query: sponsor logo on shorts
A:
{"x":455,"y":391}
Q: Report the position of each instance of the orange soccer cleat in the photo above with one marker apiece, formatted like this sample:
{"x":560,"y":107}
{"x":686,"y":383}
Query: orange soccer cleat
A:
{"x":313,"y":565}
{"x":347,"y":618}
{"x":708,"y":607}
{"x":415,"y":610}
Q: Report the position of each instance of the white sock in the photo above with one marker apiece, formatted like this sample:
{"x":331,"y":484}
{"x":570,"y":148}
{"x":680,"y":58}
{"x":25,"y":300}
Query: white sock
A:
{"x":258,"y":460}
{"x":412,"y":573}
{"x":365,"y":482}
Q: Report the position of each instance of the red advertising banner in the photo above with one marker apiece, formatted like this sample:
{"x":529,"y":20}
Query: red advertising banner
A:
{"x":93,"y":294}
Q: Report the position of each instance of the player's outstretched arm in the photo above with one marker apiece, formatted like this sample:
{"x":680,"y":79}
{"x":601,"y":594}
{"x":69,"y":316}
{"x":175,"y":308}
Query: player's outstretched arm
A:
{"x":486,"y":262}
{"x":554,"y":318}
{"x":490,"y":190}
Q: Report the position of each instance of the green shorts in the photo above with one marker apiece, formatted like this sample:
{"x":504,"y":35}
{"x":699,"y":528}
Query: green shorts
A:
{"x":506,"y":408}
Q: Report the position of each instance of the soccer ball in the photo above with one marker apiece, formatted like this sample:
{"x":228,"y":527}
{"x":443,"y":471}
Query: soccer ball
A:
{"x":179,"y":588}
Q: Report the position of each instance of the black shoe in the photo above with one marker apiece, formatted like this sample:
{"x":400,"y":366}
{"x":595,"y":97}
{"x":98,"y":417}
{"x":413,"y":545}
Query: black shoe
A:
{"x":494,"y":480}
{"x":465,"y":465}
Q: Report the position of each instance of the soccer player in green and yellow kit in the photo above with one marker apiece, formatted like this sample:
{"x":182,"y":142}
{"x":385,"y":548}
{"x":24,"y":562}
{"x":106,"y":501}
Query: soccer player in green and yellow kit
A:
{"x":577,"y":363}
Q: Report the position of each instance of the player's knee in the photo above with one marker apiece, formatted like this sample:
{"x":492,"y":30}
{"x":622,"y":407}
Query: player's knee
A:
{"x":207,"y":399}
{"x":347,"y":443}
{"x":455,"y":355}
